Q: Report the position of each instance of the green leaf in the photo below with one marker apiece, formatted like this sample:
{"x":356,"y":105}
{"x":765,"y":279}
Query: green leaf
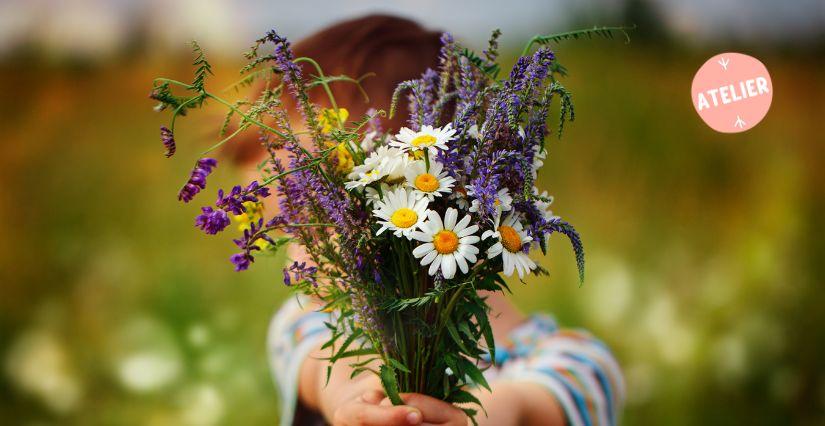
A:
{"x":471,"y":413}
{"x":387,"y":375}
{"x":484,"y":324}
{"x":604,"y":32}
{"x":398,"y":365}
{"x":355,"y":352}
{"x":461,"y":396}
{"x":475,"y":374}
{"x":344,"y":346}
{"x":456,"y":337}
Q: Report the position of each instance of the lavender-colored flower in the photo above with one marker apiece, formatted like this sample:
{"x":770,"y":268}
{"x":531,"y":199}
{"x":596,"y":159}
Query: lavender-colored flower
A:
{"x":233,"y":201}
{"x":427,"y":91}
{"x":168,"y":140}
{"x":212,"y":221}
{"x":374,"y":123}
{"x":197,"y":180}
{"x":241,"y":261}
{"x":291,"y":75}
{"x":246,"y":243}
{"x":301,"y":272}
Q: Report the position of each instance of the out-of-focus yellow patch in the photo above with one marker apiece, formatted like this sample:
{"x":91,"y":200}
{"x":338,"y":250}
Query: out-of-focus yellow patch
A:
{"x":344,"y":157}
{"x":254,"y":213}
{"x":329,"y":119}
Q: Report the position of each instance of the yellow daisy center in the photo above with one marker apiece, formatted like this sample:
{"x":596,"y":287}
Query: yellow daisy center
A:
{"x":426,"y":182}
{"x":445,"y":241}
{"x":423,"y":140}
{"x":404,"y":218}
{"x":510,"y":238}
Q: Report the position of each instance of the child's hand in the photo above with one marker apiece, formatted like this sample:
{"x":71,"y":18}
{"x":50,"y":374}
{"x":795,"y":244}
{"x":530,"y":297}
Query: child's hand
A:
{"x":367,"y":410}
{"x":435,"y":411}
{"x":373,"y":409}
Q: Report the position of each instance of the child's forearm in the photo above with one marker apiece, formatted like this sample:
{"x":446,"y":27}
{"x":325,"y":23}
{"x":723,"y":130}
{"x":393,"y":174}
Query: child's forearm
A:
{"x":315,"y":393}
{"x":518,"y":403}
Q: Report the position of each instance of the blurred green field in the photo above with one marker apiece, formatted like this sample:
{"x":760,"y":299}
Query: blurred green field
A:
{"x":704,"y":250}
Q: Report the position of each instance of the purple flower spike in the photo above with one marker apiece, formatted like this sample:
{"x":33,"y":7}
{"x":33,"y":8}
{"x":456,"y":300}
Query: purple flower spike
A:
{"x":233,"y":202}
{"x":197,"y":180}
{"x":168,"y":140}
{"x":241,"y":261}
{"x":212,"y":221}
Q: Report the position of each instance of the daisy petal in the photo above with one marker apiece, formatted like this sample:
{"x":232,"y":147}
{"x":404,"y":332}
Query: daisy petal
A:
{"x":448,"y":266}
{"x":436,"y":264}
{"x":462,"y":263}
{"x":429,"y":258}
{"x":450,"y":218}
{"x":423,"y":248}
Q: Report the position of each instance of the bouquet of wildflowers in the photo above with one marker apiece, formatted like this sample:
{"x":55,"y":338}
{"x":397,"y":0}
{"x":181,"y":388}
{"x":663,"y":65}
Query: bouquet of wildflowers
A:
{"x":403,"y":228}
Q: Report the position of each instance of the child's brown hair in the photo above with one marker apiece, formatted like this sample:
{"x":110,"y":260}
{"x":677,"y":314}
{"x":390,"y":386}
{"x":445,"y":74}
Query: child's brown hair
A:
{"x":394,"y":49}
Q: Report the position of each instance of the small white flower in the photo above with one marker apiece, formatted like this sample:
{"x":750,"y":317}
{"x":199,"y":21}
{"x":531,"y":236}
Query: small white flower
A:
{"x":461,"y":197}
{"x":372,"y":195}
{"x":365,"y":179}
{"x":447,"y":243}
{"x":400,"y":212}
{"x":430,"y":183}
{"x":473,"y":132}
{"x":502,"y":202}
{"x":428,"y":138}
{"x":543,"y":206}
{"x":511,"y":238}
{"x":368,"y":143}
{"x":539,"y":155}
{"x":384,"y":162}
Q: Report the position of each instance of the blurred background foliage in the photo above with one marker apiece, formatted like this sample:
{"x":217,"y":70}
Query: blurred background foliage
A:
{"x":705,"y":251}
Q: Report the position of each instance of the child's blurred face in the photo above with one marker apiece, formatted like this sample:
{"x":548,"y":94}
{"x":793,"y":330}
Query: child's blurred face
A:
{"x":251,"y":171}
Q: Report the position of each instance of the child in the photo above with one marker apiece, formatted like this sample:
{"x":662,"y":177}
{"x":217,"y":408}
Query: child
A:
{"x":542,"y":375}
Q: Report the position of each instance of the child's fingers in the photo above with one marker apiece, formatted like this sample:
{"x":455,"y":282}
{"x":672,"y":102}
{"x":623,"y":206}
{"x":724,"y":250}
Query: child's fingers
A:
{"x":361,"y":413}
{"x":435,"y":411}
{"x":372,"y":397}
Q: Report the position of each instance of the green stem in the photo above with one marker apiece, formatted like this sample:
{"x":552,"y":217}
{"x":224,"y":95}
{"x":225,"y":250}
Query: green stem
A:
{"x":245,"y":116}
{"x":225,"y":140}
{"x":325,"y":85}
{"x":180,"y":107}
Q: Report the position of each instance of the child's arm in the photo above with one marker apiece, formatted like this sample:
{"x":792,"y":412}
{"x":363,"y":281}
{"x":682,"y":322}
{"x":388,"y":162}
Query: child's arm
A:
{"x":568,"y":375}
{"x":295,"y":338}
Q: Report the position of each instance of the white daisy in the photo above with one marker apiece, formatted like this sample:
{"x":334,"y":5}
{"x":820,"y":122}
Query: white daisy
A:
{"x":384,"y":162}
{"x":447,"y":243}
{"x":400,"y":212}
{"x":511,"y":238}
{"x":428,"y":138}
{"x":430,"y":183}
{"x":502,"y":202}
{"x":365,"y":179}
{"x":372,"y":195}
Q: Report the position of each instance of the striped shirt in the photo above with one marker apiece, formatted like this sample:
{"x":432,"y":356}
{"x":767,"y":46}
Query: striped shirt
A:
{"x":576,"y":368}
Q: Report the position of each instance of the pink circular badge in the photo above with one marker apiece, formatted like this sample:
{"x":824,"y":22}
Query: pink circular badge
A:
{"x":732,"y":92}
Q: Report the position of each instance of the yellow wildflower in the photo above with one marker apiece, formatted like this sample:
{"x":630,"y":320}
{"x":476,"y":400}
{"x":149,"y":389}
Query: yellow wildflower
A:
{"x":345,"y":162}
{"x":254,"y":213}
{"x":328,"y":119}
